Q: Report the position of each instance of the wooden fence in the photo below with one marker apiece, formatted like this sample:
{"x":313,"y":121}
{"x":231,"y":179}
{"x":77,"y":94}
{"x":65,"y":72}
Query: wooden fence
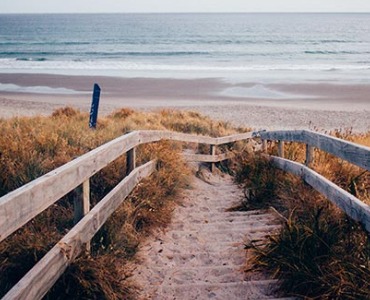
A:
{"x":353,"y":153}
{"x":20,"y":206}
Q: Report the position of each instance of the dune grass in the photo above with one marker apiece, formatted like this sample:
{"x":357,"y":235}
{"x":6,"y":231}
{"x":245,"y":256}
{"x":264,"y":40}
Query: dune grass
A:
{"x":32,"y":146}
{"x":320,"y":253}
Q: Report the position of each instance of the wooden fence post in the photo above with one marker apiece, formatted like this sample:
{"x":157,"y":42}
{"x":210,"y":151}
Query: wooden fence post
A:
{"x":213,"y":152}
{"x":82,"y":204}
{"x":86,"y":196}
{"x":82,"y":201}
{"x":86,"y":203}
{"x":281,"y":149}
{"x":309,"y":155}
{"x":131,"y":161}
{"x":264,"y":146}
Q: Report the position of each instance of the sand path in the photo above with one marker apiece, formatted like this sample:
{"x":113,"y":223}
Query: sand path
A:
{"x":201,"y":254}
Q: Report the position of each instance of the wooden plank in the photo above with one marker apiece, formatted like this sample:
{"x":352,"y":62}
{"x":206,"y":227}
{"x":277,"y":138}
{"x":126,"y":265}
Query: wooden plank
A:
{"x":284,"y":135}
{"x":86,"y":196}
{"x":81,"y":201}
{"x":36,"y":283}
{"x":351,"y":205}
{"x":233,"y":138}
{"x":208,"y":158}
{"x":286,"y":165}
{"x":354,"y":153}
{"x":309,"y":155}
{"x":212,"y":152}
{"x":264,"y":146}
{"x":23,"y":204}
{"x":86,"y":204}
{"x":148,"y":136}
{"x":131,"y":161}
{"x":77,"y":205}
{"x":281,"y":149}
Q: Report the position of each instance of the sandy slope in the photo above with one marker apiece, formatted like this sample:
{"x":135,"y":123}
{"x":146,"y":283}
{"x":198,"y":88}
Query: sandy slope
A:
{"x":201,"y":255}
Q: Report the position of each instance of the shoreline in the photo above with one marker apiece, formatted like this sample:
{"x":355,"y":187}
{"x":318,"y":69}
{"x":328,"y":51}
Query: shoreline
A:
{"x":324,"y":106}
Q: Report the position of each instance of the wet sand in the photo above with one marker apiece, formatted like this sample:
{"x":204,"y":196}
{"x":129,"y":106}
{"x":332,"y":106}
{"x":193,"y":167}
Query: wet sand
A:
{"x":260,"y":106}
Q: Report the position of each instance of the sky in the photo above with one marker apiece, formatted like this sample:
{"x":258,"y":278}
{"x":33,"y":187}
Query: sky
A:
{"x":90,"y":6}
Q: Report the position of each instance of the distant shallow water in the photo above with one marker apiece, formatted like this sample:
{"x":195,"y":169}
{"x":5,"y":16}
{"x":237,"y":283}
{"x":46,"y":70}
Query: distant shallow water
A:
{"x":241,"y":73}
{"x":13,"y":88}
{"x":260,"y":92}
{"x":237,"y":47}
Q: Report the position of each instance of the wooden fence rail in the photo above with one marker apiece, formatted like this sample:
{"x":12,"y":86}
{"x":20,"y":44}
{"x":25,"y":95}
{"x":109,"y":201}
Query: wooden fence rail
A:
{"x":354,"y":153}
{"x":36,"y":283}
{"x":23,"y":204}
{"x":351,"y":205}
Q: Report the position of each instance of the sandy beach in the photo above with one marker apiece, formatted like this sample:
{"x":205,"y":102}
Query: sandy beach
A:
{"x":322,"y":106}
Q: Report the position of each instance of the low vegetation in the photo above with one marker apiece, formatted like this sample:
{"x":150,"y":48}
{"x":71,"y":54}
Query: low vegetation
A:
{"x":320,"y":253}
{"x":30,"y":147}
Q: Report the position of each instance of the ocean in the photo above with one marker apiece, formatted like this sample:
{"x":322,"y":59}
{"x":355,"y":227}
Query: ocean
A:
{"x":236,"y":47}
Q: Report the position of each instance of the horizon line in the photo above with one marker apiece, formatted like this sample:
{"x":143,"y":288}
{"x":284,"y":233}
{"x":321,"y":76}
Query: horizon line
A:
{"x":194,"y":12}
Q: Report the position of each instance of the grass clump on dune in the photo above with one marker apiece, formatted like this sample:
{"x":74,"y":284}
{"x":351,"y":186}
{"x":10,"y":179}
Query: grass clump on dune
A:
{"x":320,"y":253}
{"x":33,"y":146}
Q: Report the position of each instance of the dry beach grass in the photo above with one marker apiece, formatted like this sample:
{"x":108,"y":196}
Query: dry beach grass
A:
{"x":32,"y":146}
{"x":320,"y":252}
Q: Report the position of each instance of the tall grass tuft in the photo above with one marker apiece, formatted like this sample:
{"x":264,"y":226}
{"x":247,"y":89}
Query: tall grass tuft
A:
{"x":320,"y":253}
{"x":259,"y":179}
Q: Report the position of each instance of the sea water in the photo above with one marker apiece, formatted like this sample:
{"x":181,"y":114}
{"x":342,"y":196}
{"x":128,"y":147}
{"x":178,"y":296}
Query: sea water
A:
{"x":235,"y":47}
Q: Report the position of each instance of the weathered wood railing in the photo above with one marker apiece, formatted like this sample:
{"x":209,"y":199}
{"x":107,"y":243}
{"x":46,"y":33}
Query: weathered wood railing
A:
{"x":23,"y":204}
{"x":353,"y":153}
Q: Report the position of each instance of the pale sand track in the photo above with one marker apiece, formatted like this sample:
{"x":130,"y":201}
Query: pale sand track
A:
{"x":201,"y":254}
